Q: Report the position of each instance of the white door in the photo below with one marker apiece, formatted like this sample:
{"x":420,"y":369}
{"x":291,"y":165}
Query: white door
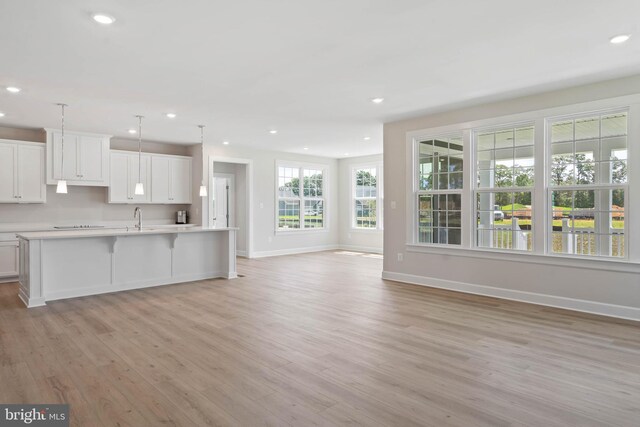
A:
{"x":90,"y":165}
{"x":180,"y":189}
{"x":119,"y":191}
{"x":160,"y":178}
{"x":222,"y":202}
{"x":31,"y":187}
{"x":8,"y":175}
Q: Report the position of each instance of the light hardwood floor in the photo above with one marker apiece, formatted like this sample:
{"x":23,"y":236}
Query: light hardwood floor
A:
{"x":317,"y":339}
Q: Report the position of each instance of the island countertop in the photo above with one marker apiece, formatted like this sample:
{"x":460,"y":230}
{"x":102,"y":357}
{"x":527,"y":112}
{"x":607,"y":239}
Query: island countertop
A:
{"x":115,"y":232}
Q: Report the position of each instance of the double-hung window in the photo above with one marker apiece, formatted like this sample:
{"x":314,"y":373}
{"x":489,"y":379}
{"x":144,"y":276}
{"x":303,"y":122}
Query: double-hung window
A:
{"x":367,"y":197}
{"x":439,"y":190}
{"x":504,"y":187}
{"x":301,"y":197}
{"x":545,"y":184}
{"x":588,"y":184}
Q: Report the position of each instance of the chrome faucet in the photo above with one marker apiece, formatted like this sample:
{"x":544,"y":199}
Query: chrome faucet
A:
{"x":138,"y":213}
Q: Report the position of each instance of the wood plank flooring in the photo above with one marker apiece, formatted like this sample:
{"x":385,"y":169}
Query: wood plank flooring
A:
{"x":317,"y":339}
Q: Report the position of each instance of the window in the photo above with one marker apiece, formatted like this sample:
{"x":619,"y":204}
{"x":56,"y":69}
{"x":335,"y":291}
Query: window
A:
{"x":367,"y":197}
{"x":587,"y":180}
{"x":300,"y":198}
{"x":545,"y":184}
{"x":439,"y":195}
{"x":504,"y":187}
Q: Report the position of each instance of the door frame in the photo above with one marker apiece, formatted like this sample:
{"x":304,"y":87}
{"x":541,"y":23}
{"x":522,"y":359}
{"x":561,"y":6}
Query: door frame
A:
{"x":248,"y":195}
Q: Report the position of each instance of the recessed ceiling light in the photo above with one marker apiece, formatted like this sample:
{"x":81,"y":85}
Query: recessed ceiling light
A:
{"x":171,"y":115}
{"x":620,"y":38}
{"x":104,"y":19}
{"x":1,"y":114}
{"x":225,"y":142}
{"x":367,"y":138}
{"x":305,"y":148}
{"x":13,"y":89}
{"x":377,"y":100}
{"x":346,"y":154}
{"x":273,"y":131}
{"x":132,"y":131}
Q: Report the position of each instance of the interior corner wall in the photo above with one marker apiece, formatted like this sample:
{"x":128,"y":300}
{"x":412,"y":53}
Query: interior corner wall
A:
{"x":352,"y":238}
{"x":606,"y":292}
{"x":265,"y":240}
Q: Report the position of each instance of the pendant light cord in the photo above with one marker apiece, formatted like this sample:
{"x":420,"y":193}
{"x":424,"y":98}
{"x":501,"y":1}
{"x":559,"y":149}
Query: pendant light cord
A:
{"x":202,"y":146}
{"x":62,"y":137}
{"x":140,"y":148}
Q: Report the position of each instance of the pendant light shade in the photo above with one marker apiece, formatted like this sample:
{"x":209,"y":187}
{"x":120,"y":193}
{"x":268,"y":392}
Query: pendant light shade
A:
{"x":61,"y":188}
{"x":139,"y":190}
{"x":203,"y":188}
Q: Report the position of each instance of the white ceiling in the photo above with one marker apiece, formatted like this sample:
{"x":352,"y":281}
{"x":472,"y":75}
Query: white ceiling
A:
{"x":305,"y":68}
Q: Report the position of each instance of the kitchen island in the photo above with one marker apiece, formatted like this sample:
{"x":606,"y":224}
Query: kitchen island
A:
{"x":65,"y":264}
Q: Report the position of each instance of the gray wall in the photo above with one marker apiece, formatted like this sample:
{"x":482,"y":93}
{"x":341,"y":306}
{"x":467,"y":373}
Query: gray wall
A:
{"x":601,"y":287}
{"x":265,"y":239}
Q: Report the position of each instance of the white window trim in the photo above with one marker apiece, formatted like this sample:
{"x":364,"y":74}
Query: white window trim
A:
{"x":379,"y":197}
{"x":539,"y":196}
{"x":325,"y":197}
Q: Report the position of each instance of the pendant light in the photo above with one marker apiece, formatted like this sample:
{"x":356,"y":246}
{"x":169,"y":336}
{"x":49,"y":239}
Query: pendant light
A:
{"x":203,"y":188}
{"x":62,"y":183}
{"x":139,"y":191}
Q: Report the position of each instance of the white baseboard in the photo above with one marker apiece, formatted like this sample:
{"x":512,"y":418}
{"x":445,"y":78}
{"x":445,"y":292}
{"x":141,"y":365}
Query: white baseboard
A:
{"x":612,"y":310}
{"x":10,"y":279}
{"x":241,"y":253}
{"x":367,"y":249}
{"x":293,"y":251}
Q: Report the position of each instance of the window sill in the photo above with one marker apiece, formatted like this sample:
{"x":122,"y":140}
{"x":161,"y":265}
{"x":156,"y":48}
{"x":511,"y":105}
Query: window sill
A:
{"x":592,"y":263}
{"x":293,"y":231}
{"x":366,"y":230}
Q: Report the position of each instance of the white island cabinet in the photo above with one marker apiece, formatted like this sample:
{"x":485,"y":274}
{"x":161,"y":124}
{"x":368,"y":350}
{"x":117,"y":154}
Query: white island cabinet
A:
{"x":65,"y":264}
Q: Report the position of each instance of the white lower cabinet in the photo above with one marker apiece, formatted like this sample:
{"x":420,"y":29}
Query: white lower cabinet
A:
{"x":8,"y":259}
{"x":124,"y":176}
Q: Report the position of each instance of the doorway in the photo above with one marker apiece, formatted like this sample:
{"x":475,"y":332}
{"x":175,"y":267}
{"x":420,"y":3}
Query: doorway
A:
{"x":229,"y":202}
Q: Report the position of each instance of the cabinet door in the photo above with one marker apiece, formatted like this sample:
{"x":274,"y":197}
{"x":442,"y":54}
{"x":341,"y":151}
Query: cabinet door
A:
{"x":160,"y":178}
{"x":9,"y":259}
{"x":119,"y":191}
{"x":91,"y":159}
{"x":71,"y":160}
{"x":144,"y":177}
{"x":8,"y":175}
{"x":31,"y":178}
{"x":180,"y":190}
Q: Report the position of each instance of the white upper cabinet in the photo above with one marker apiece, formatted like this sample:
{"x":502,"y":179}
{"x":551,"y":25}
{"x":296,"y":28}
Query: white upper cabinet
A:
{"x":171,"y":179}
{"x":22,"y":176}
{"x":124,"y":176}
{"x":86,"y":158}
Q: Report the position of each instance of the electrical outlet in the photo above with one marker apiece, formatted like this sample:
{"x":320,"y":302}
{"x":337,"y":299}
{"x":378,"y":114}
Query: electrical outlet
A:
{"x":393,"y":204}
{"x":400,"y":256}
{"x":348,"y":235}
{"x":270,"y":239}
{"x":261,"y":205}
